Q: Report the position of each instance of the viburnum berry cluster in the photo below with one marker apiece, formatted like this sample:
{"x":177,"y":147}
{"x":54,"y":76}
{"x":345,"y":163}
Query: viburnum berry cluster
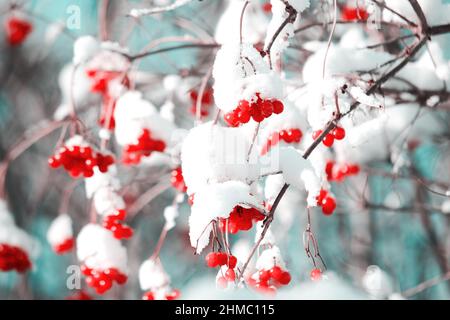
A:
{"x":177,"y":180}
{"x":145,"y":146}
{"x":337,"y":172}
{"x":80,"y":160}
{"x":287,"y":135}
{"x":114,"y":223}
{"x":13,"y":258}
{"x":60,"y":234}
{"x":222,"y":259}
{"x":326,"y":201}
{"x":240,"y":219}
{"x":17,"y":30}
{"x":349,"y":13}
{"x":257,"y":109}
{"x":206,"y":101}
{"x":337,"y":133}
{"x":103,"y":280}
{"x":267,"y":281}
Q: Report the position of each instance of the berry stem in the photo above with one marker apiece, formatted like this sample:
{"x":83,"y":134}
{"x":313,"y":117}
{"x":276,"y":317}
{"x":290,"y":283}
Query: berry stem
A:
{"x":266,"y":224}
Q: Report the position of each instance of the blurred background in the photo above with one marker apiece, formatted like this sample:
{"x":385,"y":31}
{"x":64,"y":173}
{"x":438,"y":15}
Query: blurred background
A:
{"x":409,"y":245}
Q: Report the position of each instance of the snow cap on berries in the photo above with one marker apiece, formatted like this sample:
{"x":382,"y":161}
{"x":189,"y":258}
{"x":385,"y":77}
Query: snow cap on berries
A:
{"x":133,"y":114}
{"x":216,"y":201}
{"x":212,"y":153}
{"x":235,"y":78}
{"x":84,"y":49}
{"x":12,"y":235}
{"x":152,"y":275}
{"x":269,"y":258}
{"x":98,"y":249}
{"x":60,"y":230}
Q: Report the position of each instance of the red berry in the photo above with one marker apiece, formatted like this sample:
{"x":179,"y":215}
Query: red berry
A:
{"x":316,"y":274}
{"x":174,"y":294}
{"x":316,"y":134}
{"x":148,"y":296}
{"x":264,"y":275}
{"x":284,"y":278}
{"x":328,"y":205}
{"x":17,"y":30}
{"x":230,"y":275}
{"x":323,"y":193}
{"x":338,"y":133}
{"x":222,"y":258}
{"x":276,"y":272}
{"x":267,"y":7}
{"x":277,"y":106}
{"x":328,"y":140}
{"x":232,"y":261}
{"x":212,"y":260}
{"x":266,"y":108}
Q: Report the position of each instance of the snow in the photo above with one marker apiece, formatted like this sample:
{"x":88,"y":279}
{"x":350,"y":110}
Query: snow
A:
{"x":211,"y":153}
{"x":84,"y":49}
{"x":270,"y":258}
{"x":235,"y":79}
{"x":133,"y":114}
{"x":77,"y":90}
{"x":216,"y":201}
{"x":60,"y":230}
{"x":13,"y":235}
{"x":98,"y":249}
{"x":107,"y":200}
{"x":436,"y":12}
{"x":377,"y":283}
{"x":279,"y":15}
{"x":152,"y":275}
{"x":268,"y":239}
{"x":254,"y":24}
{"x":170,"y":214}
{"x":101,"y":180}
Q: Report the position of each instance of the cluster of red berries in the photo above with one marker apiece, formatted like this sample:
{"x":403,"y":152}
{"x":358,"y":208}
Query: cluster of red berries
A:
{"x":337,"y":133}
{"x":269,"y":280}
{"x":113,"y":222}
{"x":102,"y":280}
{"x":316,"y":274}
{"x":257,"y":110}
{"x":218,"y":259}
{"x":172,"y":295}
{"x":354,"y":14}
{"x":240,"y":219}
{"x":100,"y":80}
{"x":143,"y":148}
{"x":288,"y":136}
{"x":64,"y":246}
{"x":337,"y":172}
{"x":80,"y":295}
{"x":13,"y":258}
{"x":327,"y":202}
{"x":207,"y":100}
{"x":177,"y":180}
{"x":17,"y":30}
{"x":78,"y":160}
